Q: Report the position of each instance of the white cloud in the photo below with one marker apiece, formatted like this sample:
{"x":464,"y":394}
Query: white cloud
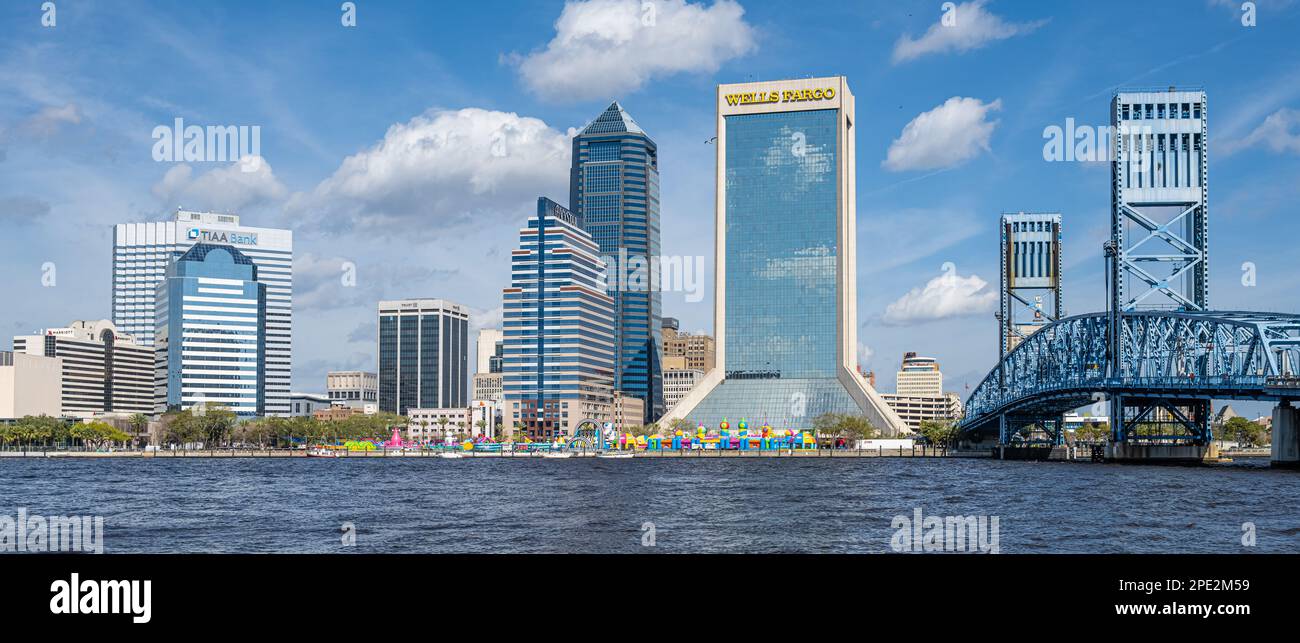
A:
{"x":1280,"y":133}
{"x":441,"y":168}
{"x":947,"y":135}
{"x":50,"y":118}
{"x":972,"y":27}
{"x":604,"y":48}
{"x":227,"y":188}
{"x":945,"y":296}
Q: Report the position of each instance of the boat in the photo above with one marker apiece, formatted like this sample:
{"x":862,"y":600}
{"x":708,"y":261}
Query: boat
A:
{"x":321,"y":453}
{"x":557,"y":454}
{"x":450,"y":454}
{"x":614,"y":454}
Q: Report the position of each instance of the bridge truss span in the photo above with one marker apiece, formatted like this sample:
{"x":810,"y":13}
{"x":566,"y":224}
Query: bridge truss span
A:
{"x":1158,"y":378}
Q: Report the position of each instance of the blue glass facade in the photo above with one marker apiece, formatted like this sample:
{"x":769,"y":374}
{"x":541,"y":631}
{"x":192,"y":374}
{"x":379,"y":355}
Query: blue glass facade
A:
{"x":614,"y":190}
{"x":557,"y":328}
{"x":783,"y":307}
{"x":210,"y":332}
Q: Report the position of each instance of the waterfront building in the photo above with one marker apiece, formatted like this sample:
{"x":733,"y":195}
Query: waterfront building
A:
{"x":336,"y":413}
{"x":919,"y":392}
{"x":919,"y":376}
{"x":30,"y":385}
{"x":426,"y":425}
{"x":142,"y":252}
{"x":785,"y":296}
{"x":558,"y":328}
{"x":355,"y":389}
{"x":627,"y":411}
{"x":306,"y":404}
{"x":489,"y":413}
{"x":614,"y":191}
{"x":679,"y":382}
{"x":103,"y":369}
{"x":686,"y":351}
{"x":423,"y":355}
{"x":211,"y":332}
{"x":914,"y":409}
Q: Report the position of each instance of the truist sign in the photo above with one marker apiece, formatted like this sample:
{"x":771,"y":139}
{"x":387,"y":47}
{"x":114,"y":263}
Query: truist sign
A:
{"x":221,"y":236}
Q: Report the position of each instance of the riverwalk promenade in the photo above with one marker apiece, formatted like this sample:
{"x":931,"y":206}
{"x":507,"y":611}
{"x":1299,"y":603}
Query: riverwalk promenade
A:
{"x":881,"y":452}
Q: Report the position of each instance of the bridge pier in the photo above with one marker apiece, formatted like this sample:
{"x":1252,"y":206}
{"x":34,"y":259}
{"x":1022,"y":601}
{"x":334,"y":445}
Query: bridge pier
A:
{"x":1286,"y":436}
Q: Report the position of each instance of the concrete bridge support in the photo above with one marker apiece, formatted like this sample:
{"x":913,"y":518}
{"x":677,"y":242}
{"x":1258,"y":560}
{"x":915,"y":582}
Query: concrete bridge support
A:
{"x":1286,"y":436}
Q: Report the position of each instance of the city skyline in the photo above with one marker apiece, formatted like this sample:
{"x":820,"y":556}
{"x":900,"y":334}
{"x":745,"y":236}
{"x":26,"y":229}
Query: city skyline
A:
{"x":443,"y":226}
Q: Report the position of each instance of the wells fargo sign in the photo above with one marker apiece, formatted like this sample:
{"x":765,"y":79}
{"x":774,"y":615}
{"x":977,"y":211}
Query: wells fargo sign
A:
{"x":784,"y":96}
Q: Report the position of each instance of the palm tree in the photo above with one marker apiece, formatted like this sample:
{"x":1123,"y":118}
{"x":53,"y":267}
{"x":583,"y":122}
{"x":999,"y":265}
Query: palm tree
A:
{"x":442,"y":427}
{"x":139,"y":422}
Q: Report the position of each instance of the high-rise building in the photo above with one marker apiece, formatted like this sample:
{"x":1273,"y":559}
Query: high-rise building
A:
{"x":423,"y":355}
{"x":685,"y":351}
{"x":353,"y":389}
{"x":785,"y":308}
{"x":488,"y":379}
{"x":210,"y":332}
{"x":558,"y":327}
{"x":103,"y":370}
{"x":1160,"y":236}
{"x":490,"y":349}
{"x":919,"y":376}
{"x":142,"y":251}
{"x":614,"y":191}
{"x":919,"y":392}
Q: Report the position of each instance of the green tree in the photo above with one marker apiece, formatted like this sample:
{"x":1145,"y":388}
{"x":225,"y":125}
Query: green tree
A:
{"x":139,"y":422}
{"x":841,"y":425}
{"x":1244,"y":432}
{"x":938,"y":432}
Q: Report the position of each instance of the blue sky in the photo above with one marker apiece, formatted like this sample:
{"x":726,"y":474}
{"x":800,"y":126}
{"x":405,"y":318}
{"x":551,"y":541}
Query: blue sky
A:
{"x":414,"y":144}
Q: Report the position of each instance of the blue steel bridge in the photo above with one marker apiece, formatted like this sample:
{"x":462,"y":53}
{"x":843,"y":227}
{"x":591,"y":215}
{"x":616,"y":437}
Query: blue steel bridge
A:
{"x":1158,"y":377}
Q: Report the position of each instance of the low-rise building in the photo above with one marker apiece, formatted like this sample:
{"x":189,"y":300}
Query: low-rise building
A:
{"x":352,"y":388}
{"x":336,"y":413}
{"x":629,"y":411}
{"x":916,"y":408}
{"x":306,"y":404}
{"x":103,"y":371}
{"x":426,"y":425}
{"x":30,"y":385}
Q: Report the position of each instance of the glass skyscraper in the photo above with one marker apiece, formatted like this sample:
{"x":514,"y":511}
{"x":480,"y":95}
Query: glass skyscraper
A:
{"x":210,"y":332}
{"x":423,"y":355}
{"x":558,"y":327}
{"x":614,"y":190}
{"x":142,"y":252}
{"x":785,"y":312}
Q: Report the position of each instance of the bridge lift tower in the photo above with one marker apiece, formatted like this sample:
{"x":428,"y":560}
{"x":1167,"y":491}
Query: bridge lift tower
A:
{"x":1030,"y":293}
{"x":1158,"y":255}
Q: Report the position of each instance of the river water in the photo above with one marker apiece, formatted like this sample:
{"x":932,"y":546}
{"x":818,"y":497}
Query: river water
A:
{"x":677,"y":505}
